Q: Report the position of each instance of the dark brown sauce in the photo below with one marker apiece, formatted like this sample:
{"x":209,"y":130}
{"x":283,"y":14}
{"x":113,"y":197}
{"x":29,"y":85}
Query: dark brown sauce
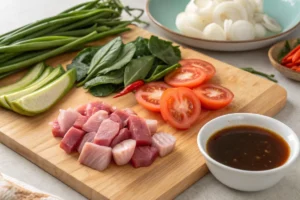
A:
{"x":248,"y":148}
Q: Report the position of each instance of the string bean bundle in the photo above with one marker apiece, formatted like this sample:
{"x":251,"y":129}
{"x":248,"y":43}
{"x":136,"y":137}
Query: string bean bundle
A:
{"x":67,"y":31}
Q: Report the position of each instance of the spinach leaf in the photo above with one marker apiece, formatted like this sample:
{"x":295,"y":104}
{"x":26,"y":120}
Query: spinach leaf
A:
{"x":161,"y":71}
{"x":82,"y":61}
{"x":105,"y":56}
{"x":81,"y":69}
{"x":142,"y":49}
{"x":164,"y":50}
{"x":86,"y":55}
{"x":115,"y":77}
{"x":284,"y":51}
{"x":103,"y":90}
{"x":125,"y":57}
{"x":137,"y":69}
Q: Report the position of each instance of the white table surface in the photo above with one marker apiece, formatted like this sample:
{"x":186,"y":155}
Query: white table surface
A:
{"x":14,"y":13}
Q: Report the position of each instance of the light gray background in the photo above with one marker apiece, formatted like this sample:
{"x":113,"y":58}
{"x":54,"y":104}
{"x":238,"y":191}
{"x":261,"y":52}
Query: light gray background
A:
{"x":14,"y":13}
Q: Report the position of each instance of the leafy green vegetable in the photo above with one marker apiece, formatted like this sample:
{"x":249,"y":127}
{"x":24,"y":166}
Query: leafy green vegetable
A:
{"x":164,"y":50}
{"x":137,"y":69}
{"x":115,"y":77}
{"x":87,"y":54}
{"x":284,"y":51}
{"x":103,"y":90}
{"x":82,"y":62}
{"x":125,"y":57}
{"x":142,"y":49}
{"x":162,"y":71}
{"x":105,"y":57}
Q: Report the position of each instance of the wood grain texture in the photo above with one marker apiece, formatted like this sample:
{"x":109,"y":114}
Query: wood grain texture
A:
{"x":167,"y":177}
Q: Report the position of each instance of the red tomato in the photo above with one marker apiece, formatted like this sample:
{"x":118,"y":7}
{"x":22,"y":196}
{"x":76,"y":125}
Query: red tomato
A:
{"x":208,"y":68}
{"x":186,"y":77}
{"x":180,"y":107}
{"x":213,"y":96}
{"x":149,"y":95}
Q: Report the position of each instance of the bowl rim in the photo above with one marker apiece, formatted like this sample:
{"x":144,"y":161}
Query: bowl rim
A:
{"x":290,"y":160}
{"x":271,"y":57}
{"x":216,"y":41}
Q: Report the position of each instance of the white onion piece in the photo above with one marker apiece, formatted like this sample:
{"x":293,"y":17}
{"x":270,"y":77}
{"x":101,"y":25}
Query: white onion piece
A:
{"x":258,"y":17}
{"x":196,"y":21}
{"x":214,"y":31}
{"x":227,"y":26}
{"x":248,"y":6}
{"x":185,"y":28}
{"x":242,"y":30}
{"x":271,"y":24}
{"x":229,"y":10}
{"x":260,"y":30}
{"x":191,"y":7}
{"x":205,"y":7}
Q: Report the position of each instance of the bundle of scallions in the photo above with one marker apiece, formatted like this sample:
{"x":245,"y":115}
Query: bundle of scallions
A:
{"x":65,"y":32}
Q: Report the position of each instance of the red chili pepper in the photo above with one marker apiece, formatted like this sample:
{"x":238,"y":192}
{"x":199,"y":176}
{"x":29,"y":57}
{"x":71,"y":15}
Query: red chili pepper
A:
{"x":290,"y":53}
{"x":133,"y":86}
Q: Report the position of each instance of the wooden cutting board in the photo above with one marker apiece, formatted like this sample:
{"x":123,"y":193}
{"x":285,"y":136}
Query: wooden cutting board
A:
{"x":167,"y":177}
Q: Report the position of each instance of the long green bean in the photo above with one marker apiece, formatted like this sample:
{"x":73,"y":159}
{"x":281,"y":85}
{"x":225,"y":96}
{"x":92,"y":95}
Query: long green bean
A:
{"x":74,"y":8}
{"x":47,"y":55}
{"x":7,"y":74}
{"x":34,"y":46}
{"x":10,"y":33}
{"x":81,"y":23}
{"x":51,"y":23}
{"x":82,"y":32}
{"x":24,"y":56}
{"x":45,"y":38}
{"x":7,"y":56}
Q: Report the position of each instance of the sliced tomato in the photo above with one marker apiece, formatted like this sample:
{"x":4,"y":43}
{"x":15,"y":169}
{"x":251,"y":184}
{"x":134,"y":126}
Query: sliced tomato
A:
{"x":186,"y":77}
{"x":213,"y":96}
{"x":149,"y":95}
{"x":180,"y":107}
{"x":208,"y":68}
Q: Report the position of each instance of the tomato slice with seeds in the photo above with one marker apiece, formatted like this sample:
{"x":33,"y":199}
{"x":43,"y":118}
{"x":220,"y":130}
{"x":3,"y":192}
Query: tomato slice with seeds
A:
{"x":180,"y":107}
{"x":213,"y":96}
{"x":186,"y":77}
{"x":149,"y":95}
{"x":206,"y":67}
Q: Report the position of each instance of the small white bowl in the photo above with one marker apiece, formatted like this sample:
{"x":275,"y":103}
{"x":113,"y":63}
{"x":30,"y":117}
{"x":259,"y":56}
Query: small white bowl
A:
{"x":245,"y":180}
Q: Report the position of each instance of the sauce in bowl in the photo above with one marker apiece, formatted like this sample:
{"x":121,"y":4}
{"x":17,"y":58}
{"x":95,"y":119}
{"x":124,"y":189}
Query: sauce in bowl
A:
{"x":248,"y":148}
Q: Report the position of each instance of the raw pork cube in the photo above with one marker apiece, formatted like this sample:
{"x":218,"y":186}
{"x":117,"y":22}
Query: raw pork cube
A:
{"x":66,"y":119}
{"x":123,"y":151}
{"x":56,"y":131}
{"x":144,"y":156}
{"x":72,"y":139}
{"x":164,"y":142}
{"x":114,"y":117}
{"x":139,"y":131}
{"x":106,"y":132}
{"x":82,"y":109}
{"x":80,"y":121}
{"x":152,"y":125}
{"x":93,"y":123}
{"x":95,"y":156}
{"x":89,"y":137}
{"x":122,"y":114}
{"x":90,"y":108}
{"x":124,"y":134}
{"x":107,"y":108}
{"x":129,"y":111}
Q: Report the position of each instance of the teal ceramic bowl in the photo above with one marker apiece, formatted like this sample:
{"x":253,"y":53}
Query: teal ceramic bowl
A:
{"x":163,"y":13}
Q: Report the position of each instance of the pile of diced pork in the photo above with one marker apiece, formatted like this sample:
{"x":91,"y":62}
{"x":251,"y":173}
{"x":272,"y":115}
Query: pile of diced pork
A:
{"x":100,"y":132}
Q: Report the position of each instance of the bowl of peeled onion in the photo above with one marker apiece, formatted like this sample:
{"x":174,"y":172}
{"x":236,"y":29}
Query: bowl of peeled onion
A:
{"x":225,"y":25}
